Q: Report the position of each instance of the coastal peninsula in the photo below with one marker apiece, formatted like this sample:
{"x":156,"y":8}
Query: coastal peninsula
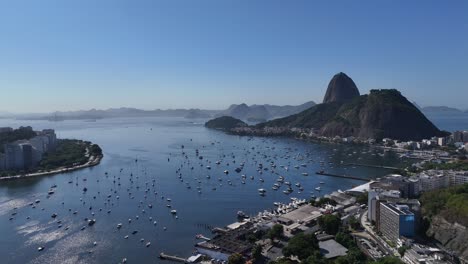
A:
{"x":27,"y":153}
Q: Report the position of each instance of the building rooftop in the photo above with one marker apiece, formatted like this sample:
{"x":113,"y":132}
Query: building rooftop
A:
{"x":332,"y":249}
{"x":231,"y":241}
{"x":361,"y":188}
{"x":304,"y":213}
{"x":236,"y":225}
{"x":399,"y":209}
{"x":342,"y":198}
{"x":274,"y":253}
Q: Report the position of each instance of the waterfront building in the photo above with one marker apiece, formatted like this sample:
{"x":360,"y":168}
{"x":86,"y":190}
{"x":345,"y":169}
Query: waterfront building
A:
{"x":437,"y":179}
{"x":457,"y":136}
{"x":458,"y":178}
{"x":51,"y":136}
{"x":442,"y":141}
{"x":380,"y":192}
{"x":26,"y":154}
{"x":13,"y":156}
{"x":40,"y":143}
{"x":5,"y":129}
{"x":396,"y":221}
{"x":342,"y":198}
{"x":2,"y":161}
{"x":414,"y":187}
{"x":433,"y":181}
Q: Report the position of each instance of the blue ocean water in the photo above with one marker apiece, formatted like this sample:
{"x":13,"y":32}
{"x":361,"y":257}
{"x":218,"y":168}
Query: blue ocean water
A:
{"x":144,"y":164}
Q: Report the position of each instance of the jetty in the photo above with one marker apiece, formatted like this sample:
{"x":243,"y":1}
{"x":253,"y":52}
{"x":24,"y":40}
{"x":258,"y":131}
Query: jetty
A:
{"x":341,"y":176}
{"x":173,"y":258}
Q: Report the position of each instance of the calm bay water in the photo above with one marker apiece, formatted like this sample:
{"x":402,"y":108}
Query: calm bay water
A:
{"x":128,"y":189}
{"x":449,"y":121}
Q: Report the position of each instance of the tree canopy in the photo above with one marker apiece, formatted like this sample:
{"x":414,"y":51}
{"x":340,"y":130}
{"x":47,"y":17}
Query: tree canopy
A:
{"x":451,"y":203}
{"x":302,"y":245}
{"x":275,"y":232}
{"x":330,"y":223}
{"x":236,"y":258}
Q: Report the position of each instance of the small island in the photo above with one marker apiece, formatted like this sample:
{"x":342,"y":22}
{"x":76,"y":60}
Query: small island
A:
{"x":225,"y":123}
{"x":28,"y":153}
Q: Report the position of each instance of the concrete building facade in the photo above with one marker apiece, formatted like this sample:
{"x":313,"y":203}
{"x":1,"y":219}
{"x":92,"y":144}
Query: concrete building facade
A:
{"x":396,"y":221}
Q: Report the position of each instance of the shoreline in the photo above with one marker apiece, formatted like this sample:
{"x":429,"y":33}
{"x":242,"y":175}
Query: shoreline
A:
{"x":409,"y":153}
{"x":92,"y":161}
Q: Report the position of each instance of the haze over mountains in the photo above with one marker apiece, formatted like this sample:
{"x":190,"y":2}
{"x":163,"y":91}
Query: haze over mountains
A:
{"x":253,"y":113}
{"x":263,"y":112}
{"x":442,"y":109}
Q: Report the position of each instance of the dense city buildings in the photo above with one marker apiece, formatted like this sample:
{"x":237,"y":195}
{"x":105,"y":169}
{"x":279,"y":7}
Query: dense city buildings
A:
{"x":25,"y":154}
{"x":436,"y":179}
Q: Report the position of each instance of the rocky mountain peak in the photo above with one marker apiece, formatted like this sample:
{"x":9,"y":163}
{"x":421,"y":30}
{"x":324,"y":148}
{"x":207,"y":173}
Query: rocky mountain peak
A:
{"x":341,"y":89}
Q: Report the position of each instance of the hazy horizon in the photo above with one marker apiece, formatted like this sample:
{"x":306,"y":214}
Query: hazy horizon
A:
{"x":184,"y":108}
{"x":67,"y":56}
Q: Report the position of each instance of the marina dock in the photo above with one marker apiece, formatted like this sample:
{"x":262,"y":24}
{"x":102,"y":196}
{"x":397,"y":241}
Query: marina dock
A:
{"x":173,"y":258}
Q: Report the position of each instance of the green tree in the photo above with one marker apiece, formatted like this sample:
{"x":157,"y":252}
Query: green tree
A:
{"x":257,"y":253}
{"x":316,"y":258}
{"x":330,"y":223}
{"x":302,"y":246}
{"x":96,"y":150}
{"x":354,"y":256}
{"x":236,"y":258}
{"x":354,"y":223}
{"x":344,"y":239}
{"x":362,"y":198}
{"x":402,"y":250}
{"x":275,"y":232}
{"x":283,"y":261}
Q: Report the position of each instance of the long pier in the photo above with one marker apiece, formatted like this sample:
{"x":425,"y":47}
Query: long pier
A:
{"x":173,"y":258}
{"x":341,"y":176}
{"x":372,"y":166}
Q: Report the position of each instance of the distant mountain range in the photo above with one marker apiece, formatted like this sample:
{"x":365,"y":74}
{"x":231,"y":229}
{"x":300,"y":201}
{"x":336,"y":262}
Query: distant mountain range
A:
{"x":442,"y":109}
{"x":117,"y":112}
{"x":257,"y":113}
{"x":253,"y":113}
{"x":439,"y":109}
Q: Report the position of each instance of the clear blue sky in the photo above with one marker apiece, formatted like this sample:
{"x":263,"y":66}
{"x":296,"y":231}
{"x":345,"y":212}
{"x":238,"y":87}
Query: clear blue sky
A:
{"x":69,"y":55}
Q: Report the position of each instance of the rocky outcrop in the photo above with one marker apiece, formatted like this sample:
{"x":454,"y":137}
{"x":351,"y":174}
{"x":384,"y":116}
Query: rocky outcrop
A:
{"x":453,"y":237}
{"x":341,"y":89}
